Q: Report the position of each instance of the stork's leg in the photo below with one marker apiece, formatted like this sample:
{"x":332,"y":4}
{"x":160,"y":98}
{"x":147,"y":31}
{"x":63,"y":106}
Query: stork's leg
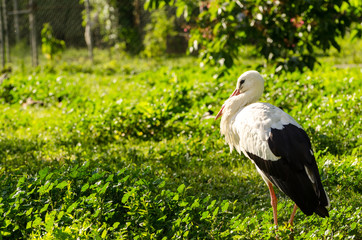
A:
{"x":293,"y":214}
{"x":273,"y":203}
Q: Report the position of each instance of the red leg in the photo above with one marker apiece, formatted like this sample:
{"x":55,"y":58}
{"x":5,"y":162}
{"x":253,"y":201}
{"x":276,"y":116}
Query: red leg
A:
{"x":293,"y":214}
{"x":273,"y":203}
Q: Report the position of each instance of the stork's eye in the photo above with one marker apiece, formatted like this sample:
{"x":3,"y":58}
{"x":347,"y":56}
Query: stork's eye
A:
{"x":241,"y":82}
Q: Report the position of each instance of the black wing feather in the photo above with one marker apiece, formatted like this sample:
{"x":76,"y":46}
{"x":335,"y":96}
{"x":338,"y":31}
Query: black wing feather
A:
{"x":288,"y":173}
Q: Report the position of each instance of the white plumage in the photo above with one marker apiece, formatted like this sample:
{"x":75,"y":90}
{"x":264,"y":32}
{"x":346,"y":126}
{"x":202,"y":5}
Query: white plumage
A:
{"x":254,"y":123}
{"x":276,"y":144}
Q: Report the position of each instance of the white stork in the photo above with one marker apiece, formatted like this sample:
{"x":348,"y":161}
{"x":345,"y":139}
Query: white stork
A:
{"x":276,"y":144}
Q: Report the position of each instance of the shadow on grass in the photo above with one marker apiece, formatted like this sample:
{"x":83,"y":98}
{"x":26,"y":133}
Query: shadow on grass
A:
{"x":18,"y":156}
{"x":335,"y":145}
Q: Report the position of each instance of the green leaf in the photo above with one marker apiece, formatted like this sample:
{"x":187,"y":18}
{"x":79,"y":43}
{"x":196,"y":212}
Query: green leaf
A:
{"x":85,"y":187}
{"x":110,"y":178}
{"x":212,"y":204}
{"x":29,"y":211}
{"x":147,"y":4}
{"x":162,"y":219}
{"x":115,"y":225}
{"x":162,"y":184}
{"x":104,"y":234}
{"x":7,"y":222}
{"x":43,"y":172}
{"x":49,"y":176}
{"x":176,"y":197}
{"x":62,"y":185}
{"x":125,"y":178}
{"x":21,"y":181}
{"x":353,"y":226}
{"x":28,"y":224}
{"x":60,"y":215}
{"x":195,"y":204}
{"x":126,"y":196}
{"x":215,"y":212}
{"x":44,"y":208}
{"x":37,"y":222}
{"x":72,"y":207}
{"x":49,"y":221}
{"x":183,"y":204}
{"x":104,"y":188}
{"x":205,"y":215}
{"x":225,"y":206}
{"x":181,"y":7}
{"x":181,"y":188}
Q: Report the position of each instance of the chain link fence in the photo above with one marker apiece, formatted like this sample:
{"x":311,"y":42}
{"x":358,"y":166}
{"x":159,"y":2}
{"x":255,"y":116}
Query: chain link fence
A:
{"x":65,"y":16}
{"x":20,"y":17}
{"x":107,"y":24}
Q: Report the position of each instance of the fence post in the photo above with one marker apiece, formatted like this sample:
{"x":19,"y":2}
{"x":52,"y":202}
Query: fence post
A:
{"x":34,"y":49}
{"x":16,"y":21}
{"x":88,"y":31}
{"x":6,"y":32}
{"x":2,"y":53}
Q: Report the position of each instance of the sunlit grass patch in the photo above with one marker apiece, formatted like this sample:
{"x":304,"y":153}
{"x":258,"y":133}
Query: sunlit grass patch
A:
{"x":127,"y":148}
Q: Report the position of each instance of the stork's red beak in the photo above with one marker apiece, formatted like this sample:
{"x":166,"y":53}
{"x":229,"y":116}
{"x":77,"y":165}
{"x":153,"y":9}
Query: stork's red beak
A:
{"x":235,"y":93}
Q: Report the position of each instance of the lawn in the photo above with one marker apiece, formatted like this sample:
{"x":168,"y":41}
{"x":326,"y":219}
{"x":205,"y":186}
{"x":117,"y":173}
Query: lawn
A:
{"x":123,"y":149}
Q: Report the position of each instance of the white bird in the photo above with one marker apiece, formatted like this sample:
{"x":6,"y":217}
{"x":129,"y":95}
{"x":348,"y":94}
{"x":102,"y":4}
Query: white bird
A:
{"x":276,"y":144}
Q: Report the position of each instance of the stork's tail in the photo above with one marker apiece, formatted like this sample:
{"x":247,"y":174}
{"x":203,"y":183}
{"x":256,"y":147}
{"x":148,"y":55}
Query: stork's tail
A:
{"x":322,"y":211}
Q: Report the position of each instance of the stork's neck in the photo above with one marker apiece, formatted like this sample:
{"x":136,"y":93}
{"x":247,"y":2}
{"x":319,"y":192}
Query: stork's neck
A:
{"x":234,"y":104}
{"x":232,"y":107}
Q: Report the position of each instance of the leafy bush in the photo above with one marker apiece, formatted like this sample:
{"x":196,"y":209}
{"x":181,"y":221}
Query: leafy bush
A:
{"x":51,"y":46}
{"x":284,"y":32}
{"x":160,"y":27}
{"x":129,"y":30}
{"x":103,"y":19}
{"x":96,"y":204}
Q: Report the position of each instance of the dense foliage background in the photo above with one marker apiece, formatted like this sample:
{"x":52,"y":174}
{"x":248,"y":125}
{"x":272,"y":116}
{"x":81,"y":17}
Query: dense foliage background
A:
{"x":286,"y":34}
{"x":283,"y":32}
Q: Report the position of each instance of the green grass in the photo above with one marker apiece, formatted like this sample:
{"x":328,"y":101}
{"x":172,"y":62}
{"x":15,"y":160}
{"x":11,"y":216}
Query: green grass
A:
{"x":119,"y":149}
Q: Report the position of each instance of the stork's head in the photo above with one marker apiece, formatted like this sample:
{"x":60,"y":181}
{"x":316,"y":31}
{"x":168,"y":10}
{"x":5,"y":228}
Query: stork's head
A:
{"x":250,"y":85}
